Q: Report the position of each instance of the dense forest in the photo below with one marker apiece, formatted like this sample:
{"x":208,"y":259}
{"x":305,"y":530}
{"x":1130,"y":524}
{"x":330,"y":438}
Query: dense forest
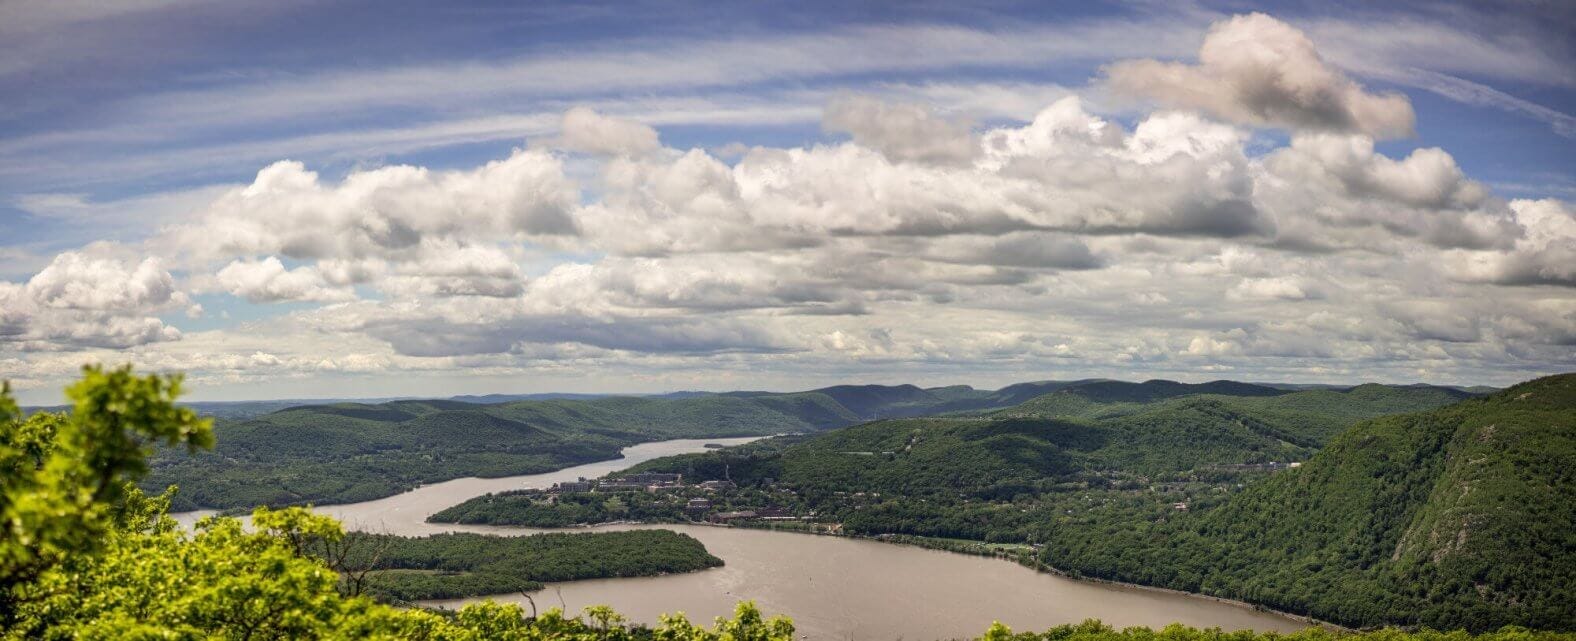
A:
{"x":1458,"y":517}
{"x":352,"y":452}
{"x":348,"y":452}
{"x":1452,"y":517}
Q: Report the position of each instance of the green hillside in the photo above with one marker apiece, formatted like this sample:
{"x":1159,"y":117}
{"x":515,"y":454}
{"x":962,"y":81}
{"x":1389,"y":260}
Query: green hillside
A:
{"x":1058,"y":463}
{"x":347,"y":452}
{"x":350,"y":452}
{"x":1308,"y":417}
{"x":1457,"y":517}
{"x":1079,"y":438}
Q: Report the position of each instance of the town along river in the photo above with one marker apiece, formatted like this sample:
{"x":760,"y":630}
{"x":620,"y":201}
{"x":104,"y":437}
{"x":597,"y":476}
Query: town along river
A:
{"x":832,"y":587}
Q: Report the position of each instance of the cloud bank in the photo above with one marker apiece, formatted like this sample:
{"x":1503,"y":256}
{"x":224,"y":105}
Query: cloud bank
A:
{"x":1072,"y":243}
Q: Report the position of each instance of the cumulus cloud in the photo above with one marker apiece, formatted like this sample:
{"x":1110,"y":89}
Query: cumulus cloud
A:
{"x":75,"y":281}
{"x":385,"y":212}
{"x":267,"y":281}
{"x":1069,"y":244}
{"x":1544,"y":255}
{"x":1282,"y":288}
{"x":1256,"y":70}
{"x":1434,"y":320}
{"x":1018,"y":249}
{"x":714,"y":283}
{"x":1335,"y":190}
{"x":81,"y":300}
{"x":1173,"y":174}
{"x":461,"y":270}
{"x":901,"y":132}
{"x":584,"y":130}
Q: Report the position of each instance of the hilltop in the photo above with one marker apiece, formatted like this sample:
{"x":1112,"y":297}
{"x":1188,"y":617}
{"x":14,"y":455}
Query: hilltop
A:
{"x":345,"y":452}
{"x":1088,"y":428}
{"x":1002,"y":475}
{"x":1456,"y":517}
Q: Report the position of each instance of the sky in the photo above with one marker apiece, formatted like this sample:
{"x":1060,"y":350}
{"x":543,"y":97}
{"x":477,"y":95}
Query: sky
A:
{"x":303,"y":199}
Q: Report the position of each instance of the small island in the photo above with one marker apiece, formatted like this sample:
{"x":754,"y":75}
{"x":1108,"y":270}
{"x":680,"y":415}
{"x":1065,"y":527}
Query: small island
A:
{"x":445,"y":566}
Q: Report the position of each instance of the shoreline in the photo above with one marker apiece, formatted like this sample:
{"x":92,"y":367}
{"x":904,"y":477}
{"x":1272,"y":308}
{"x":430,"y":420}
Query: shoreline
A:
{"x":241,"y":511}
{"x":1049,"y":569}
{"x":1033,"y":565}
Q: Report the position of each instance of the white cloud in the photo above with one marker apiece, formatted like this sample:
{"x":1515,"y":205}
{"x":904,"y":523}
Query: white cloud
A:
{"x":383,"y":212}
{"x":76,"y":281}
{"x":1545,"y":255}
{"x":587,"y":131}
{"x":267,"y":281}
{"x":1257,"y":70}
{"x":1333,"y":190}
{"x":453,"y":269}
{"x":1072,"y":244}
{"x":1285,"y":289}
{"x":1018,"y":249}
{"x":901,"y":132}
{"x":83,"y":300}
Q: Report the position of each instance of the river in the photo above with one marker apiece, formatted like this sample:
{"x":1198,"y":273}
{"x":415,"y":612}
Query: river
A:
{"x":832,"y":587}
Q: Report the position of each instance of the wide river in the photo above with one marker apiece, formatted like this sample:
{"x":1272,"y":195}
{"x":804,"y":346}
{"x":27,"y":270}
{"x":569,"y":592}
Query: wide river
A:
{"x":832,"y":587}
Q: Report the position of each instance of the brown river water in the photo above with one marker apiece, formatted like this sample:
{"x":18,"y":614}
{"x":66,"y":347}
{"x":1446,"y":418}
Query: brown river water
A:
{"x":832,"y":587}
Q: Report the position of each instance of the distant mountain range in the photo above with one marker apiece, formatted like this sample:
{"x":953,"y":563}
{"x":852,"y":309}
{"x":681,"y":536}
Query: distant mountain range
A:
{"x":347,"y":451}
{"x":863,"y":401}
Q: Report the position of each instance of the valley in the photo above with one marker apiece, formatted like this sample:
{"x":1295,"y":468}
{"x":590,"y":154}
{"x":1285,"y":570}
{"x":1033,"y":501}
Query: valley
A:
{"x":854,"y":530}
{"x":1186,"y":492}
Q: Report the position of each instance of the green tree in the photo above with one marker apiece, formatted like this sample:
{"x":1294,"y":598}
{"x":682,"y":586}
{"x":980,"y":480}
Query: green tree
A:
{"x":86,"y":555}
{"x":63,"y":478}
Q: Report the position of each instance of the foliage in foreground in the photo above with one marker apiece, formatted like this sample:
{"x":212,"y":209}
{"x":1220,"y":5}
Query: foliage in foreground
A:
{"x":85,"y":555}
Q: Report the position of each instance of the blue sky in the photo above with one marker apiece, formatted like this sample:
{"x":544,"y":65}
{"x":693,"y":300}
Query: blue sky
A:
{"x":129,"y":132}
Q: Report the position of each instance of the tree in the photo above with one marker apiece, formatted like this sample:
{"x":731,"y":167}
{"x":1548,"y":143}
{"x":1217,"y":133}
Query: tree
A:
{"x":85,"y":554}
{"x":63,"y":478}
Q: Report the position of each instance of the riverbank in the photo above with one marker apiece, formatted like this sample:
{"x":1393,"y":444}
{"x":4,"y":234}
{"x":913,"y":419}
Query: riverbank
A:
{"x":1021,"y":554}
{"x":406,"y":512}
{"x":208,"y":483}
{"x":1016,"y":554}
{"x":834,"y":587}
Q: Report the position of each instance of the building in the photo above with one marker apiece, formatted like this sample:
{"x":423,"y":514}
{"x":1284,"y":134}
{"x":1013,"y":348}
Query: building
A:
{"x":647,"y":481}
{"x":713,"y":486}
{"x":698,"y":506}
{"x":581,"y":485}
{"x":724,"y":517}
{"x":650,"y":478}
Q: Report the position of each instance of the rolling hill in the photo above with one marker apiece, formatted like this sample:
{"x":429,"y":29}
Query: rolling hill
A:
{"x":1083,"y":431}
{"x":1411,"y":505}
{"x":345,"y":452}
{"x":1459,"y":517}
